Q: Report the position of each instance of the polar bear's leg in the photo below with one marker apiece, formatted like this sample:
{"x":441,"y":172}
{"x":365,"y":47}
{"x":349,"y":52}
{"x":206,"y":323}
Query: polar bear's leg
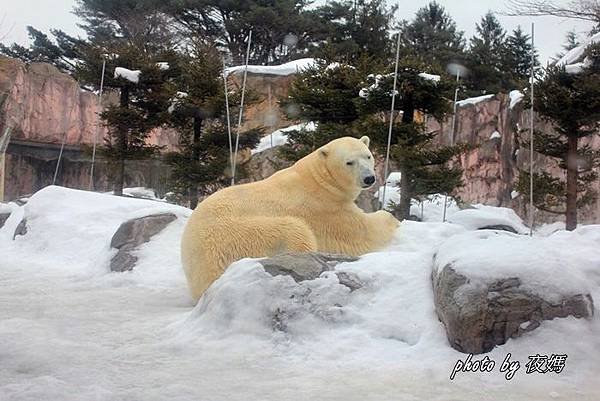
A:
{"x":214,"y":247}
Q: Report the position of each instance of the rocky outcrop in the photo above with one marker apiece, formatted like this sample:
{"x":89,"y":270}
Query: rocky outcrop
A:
{"x":479,"y":317}
{"x":132,"y":234}
{"x":309,"y":266}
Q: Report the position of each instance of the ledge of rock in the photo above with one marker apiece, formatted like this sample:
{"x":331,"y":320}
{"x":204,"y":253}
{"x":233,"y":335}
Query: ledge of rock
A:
{"x":309,"y":266}
{"x":133,"y":233}
{"x":21,"y":228}
{"x":477,"y":317}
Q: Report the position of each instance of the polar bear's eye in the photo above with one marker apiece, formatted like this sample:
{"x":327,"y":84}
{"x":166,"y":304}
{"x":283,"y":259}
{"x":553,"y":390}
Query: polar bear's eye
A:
{"x":350,"y":163}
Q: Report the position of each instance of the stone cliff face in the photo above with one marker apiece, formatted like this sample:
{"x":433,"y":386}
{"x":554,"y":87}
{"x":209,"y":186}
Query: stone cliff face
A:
{"x":44,"y":107}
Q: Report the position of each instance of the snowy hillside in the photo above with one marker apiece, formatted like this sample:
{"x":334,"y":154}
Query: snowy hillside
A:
{"x":72,"y":330}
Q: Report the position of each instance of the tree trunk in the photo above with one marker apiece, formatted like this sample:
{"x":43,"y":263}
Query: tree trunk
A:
{"x":572,"y":174}
{"x":122,"y":145}
{"x":193,"y":189}
{"x":405,"y":192}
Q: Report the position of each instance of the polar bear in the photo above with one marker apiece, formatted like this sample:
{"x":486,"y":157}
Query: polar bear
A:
{"x":306,"y":207}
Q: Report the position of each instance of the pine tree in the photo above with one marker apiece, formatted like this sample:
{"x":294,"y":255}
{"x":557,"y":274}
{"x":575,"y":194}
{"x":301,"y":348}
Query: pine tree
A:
{"x":349,"y":102}
{"x":432,"y":36}
{"x":517,"y":58}
{"x":571,"y":42}
{"x":486,"y":56}
{"x":423,"y":165}
{"x":281,"y":29}
{"x":129,"y":34}
{"x":198,"y":114}
{"x":571,"y":103}
{"x":348,"y":31}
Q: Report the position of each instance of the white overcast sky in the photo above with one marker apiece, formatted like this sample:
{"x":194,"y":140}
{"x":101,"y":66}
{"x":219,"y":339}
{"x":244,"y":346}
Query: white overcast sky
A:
{"x":550,"y":32}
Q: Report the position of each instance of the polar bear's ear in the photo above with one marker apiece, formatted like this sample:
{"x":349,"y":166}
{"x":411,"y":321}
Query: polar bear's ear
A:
{"x":323,"y":152}
{"x":365,"y":140}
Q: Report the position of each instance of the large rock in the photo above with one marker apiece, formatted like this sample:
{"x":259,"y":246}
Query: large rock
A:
{"x":309,"y":266}
{"x":479,"y":316}
{"x":133,"y":233}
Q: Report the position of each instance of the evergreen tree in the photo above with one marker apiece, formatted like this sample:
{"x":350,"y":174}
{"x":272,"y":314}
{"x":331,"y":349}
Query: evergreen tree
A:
{"x":423,"y":165}
{"x":517,"y":59}
{"x":348,"y":102}
{"x":486,"y":56}
{"x":129,"y":34}
{"x":198,"y":114}
{"x":571,"y":42}
{"x":281,"y":29}
{"x":59,"y":51}
{"x":432,"y":36}
{"x":571,"y":102}
{"x":349,"y":31}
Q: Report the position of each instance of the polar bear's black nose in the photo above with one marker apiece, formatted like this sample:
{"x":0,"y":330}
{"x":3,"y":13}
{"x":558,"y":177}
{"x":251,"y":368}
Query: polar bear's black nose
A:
{"x":369,"y":180}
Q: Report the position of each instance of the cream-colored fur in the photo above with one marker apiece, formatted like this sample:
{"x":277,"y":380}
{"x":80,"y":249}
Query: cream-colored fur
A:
{"x":306,"y":207}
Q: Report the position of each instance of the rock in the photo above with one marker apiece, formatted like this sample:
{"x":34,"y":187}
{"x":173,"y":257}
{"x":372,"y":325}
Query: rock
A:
{"x":477,"y":317}
{"x":21,"y":228}
{"x":3,"y":218}
{"x":309,"y":266}
{"x":133,"y":233}
{"x":501,"y":227}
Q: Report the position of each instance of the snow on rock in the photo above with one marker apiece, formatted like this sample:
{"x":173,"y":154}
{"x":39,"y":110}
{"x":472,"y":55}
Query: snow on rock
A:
{"x":483,"y":216}
{"x":130,"y":75}
{"x":495,"y":135}
{"x":540,"y":263}
{"x":473,"y":100}
{"x":76,"y":227}
{"x":514,"y":194}
{"x":515,"y":97}
{"x":574,"y":55}
{"x":289,"y":68}
{"x":280,"y":137}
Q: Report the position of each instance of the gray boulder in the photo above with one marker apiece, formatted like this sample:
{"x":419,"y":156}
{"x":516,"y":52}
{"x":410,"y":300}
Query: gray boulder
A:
{"x":479,"y":316}
{"x":3,"y":218}
{"x":133,"y":233}
{"x":309,"y":266}
{"x":21,"y":228}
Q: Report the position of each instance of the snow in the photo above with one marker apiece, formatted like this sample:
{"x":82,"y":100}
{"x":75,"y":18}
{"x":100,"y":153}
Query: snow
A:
{"x":515,"y":97}
{"x":514,"y":194}
{"x":430,"y":77}
{"x":289,"y":68}
{"x":495,"y":135}
{"x":482,"y":216}
{"x":163,"y":65}
{"x":177,"y":100}
{"x":473,"y":100}
{"x":572,"y":59}
{"x":575,"y":54}
{"x":279,"y":137}
{"x":71,"y":330}
{"x":130,"y":75}
{"x":540,"y":263}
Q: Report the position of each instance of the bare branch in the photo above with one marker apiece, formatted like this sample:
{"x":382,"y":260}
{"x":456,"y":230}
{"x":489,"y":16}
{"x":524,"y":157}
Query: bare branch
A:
{"x":587,"y":10}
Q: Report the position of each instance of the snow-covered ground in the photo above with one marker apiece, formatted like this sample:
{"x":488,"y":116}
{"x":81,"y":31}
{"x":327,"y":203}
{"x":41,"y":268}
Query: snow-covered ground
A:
{"x":72,"y":330}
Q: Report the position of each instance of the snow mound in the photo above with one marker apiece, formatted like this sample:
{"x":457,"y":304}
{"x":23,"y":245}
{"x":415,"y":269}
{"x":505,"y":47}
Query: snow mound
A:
{"x":280,"y":137}
{"x":541,"y":265}
{"x":485,"y":216}
{"x":289,"y":68}
{"x":76,"y":227}
{"x":473,"y":100}
{"x":430,"y":77}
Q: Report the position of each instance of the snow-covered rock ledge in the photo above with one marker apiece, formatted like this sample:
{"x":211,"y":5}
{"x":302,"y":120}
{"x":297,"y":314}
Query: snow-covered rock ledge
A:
{"x":490,"y":286}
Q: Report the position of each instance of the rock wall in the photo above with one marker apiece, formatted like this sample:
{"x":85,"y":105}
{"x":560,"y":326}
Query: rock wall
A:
{"x":44,"y":107}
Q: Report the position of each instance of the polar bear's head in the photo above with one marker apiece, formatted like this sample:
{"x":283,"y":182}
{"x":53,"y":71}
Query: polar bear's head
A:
{"x":350,"y":162}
